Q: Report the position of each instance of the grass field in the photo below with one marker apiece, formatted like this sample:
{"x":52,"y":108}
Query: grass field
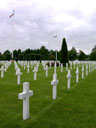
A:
{"x":74,"y":108}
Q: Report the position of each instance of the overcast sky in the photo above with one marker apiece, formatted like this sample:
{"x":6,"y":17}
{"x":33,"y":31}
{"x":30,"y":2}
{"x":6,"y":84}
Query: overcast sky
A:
{"x":36,"y":22}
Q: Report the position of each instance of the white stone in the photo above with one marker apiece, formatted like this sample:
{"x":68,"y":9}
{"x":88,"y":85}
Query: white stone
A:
{"x":35,"y":73}
{"x":86,"y":69}
{"x":17,"y":70}
{"x":55,"y":65}
{"x":89,"y":68}
{"x":66,"y":66}
{"x":69,"y":77}
{"x":18,"y":76}
{"x":5,"y":67}
{"x":54,"y":83}
{"x":77,"y":75}
{"x":25,"y":96}
{"x":61,"y":67}
{"x":83,"y":72}
{"x":46,"y":70}
{"x":28,"y":67}
{"x":2,"y":72}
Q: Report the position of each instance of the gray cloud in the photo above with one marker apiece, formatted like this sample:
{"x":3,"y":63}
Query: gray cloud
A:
{"x":36,"y":21}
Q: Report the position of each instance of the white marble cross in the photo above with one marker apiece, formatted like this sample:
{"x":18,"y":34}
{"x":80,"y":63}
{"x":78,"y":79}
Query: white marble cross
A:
{"x":77,"y":75}
{"x":5,"y":67}
{"x":46,"y":70}
{"x":28,"y":66}
{"x":66,"y":66}
{"x":89,"y":68}
{"x":54,"y":83}
{"x":55,"y":65}
{"x":83,"y":72}
{"x":35,"y":73}
{"x":18,"y":73}
{"x":61,"y":67}
{"x":68,"y":76}
{"x":25,"y":96}
{"x":86,"y":69}
{"x":2,"y":71}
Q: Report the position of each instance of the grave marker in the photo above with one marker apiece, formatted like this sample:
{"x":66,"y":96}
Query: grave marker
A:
{"x":18,"y":73}
{"x":46,"y":70}
{"x":25,"y":96}
{"x":83,"y":72}
{"x":61,"y":67}
{"x":54,"y":83}
{"x":86,"y":69}
{"x":2,"y":71}
{"x":68,"y":76}
{"x":77,"y":75}
{"x":35,"y":73}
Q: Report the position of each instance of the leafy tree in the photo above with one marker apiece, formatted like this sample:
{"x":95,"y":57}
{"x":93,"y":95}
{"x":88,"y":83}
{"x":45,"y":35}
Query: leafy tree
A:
{"x":1,"y":56}
{"x":31,"y":56}
{"x":81,"y":55}
{"x":27,"y":51}
{"x":19,"y":51}
{"x":51,"y":57}
{"x":73,"y":54}
{"x":93,"y":54}
{"x":44,"y":53}
{"x":94,"y":49}
{"x":15,"y":55}
{"x":20,"y":57}
{"x":64,"y":52}
{"x":7,"y":55}
{"x":37,"y":56}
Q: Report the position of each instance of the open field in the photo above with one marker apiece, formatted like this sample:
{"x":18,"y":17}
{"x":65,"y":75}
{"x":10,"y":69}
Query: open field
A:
{"x":74,"y":108}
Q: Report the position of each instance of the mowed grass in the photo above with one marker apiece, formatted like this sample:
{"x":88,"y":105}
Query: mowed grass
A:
{"x":74,"y":108}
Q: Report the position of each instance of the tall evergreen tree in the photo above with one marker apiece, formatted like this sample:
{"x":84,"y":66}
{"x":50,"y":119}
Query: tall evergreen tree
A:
{"x":64,"y":52}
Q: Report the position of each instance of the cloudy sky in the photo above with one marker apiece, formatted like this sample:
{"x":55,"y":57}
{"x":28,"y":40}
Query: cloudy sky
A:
{"x":36,"y":22}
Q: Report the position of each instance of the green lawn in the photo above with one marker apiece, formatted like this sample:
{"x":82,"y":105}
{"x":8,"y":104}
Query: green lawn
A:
{"x":74,"y":108}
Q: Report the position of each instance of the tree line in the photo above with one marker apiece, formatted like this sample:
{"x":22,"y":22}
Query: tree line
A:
{"x":44,"y":54}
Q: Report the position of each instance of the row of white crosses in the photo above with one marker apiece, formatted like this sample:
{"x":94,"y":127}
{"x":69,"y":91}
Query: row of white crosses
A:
{"x":28,"y":64}
{"x":27,"y":93}
{"x":77,"y":74}
{"x":4,"y":67}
